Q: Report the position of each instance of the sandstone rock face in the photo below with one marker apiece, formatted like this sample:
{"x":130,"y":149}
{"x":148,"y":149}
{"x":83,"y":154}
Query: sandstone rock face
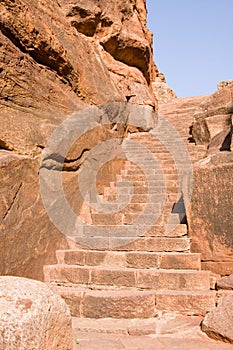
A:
{"x":213,"y":120}
{"x":58,"y":57}
{"x":162,"y":91}
{"x":218,"y":323}
{"x":28,"y":238}
{"x":210,"y":213}
{"x":224,"y":83}
{"x":32,"y":317}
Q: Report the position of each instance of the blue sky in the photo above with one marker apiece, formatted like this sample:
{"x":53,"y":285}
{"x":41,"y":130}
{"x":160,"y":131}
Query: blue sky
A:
{"x":193,"y":43}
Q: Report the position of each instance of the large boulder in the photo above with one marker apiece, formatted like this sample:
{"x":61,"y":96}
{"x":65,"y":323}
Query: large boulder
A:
{"x":218,"y":323}
{"x":213,"y":120}
{"x":210,"y":213}
{"x":32,"y":317}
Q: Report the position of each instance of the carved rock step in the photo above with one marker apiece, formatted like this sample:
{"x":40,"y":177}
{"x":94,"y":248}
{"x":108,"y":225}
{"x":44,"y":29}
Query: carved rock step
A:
{"x":149,"y":173}
{"x":149,"y":244}
{"x":135,"y":326}
{"x":141,"y":260}
{"x":133,"y":303}
{"x":157,"y":279}
{"x":122,"y":189}
{"x":155,"y":180}
{"x":133,"y":231}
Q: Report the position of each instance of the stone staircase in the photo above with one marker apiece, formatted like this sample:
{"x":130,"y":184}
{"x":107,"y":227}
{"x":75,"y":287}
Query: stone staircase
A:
{"x":131,"y":258}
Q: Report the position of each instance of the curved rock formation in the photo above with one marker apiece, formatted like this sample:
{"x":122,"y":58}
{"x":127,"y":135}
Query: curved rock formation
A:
{"x":58,"y":57}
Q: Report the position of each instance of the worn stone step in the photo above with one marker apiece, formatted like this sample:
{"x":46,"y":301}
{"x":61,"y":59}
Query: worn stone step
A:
{"x":188,"y":340}
{"x":191,"y":303}
{"x":108,"y":219}
{"x":178,"y":231}
{"x":140,"y":188}
{"x":129,"y":277}
{"x":167,"y":231}
{"x":131,"y":303}
{"x":135,"y":326}
{"x":124,"y":204}
{"x":149,"y":244}
{"x":134,"y":231}
{"x":123,"y":303}
{"x":129,"y":172}
{"x":156,"y":178}
{"x":141,"y":260}
{"x":142,"y":198}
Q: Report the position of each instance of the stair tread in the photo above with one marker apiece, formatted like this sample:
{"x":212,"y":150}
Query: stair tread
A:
{"x":115,"y":268}
{"x":125,"y":291}
{"x":130,"y":252}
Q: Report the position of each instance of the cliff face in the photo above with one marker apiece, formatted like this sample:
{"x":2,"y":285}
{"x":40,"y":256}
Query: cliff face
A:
{"x":210,"y":218}
{"x":58,"y":57}
{"x":207,"y":122}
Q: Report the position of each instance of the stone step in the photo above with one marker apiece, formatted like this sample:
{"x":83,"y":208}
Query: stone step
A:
{"x":152,"y":175}
{"x":147,"y":167}
{"x":191,"y":303}
{"x":124,"y":205}
{"x":133,"y":303}
{"x":178,"y":231}
{"x":141,"y":260}
{"x":138,"y":189}
{"x":139,"y":198}
{"x":148,"y":178}
{"x":108,"y":219}
{"x":134,"y":231}
{"x":135,"y":326}
{"x":149,"y":244}
{"x":157,"y":279}
{"x":186,"y":338}
{"x":122,"y":303}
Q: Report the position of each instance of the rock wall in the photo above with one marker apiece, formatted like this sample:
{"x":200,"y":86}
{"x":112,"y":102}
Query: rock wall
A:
{"x":162,"y":91}
{"x":198,"y":119}
{"x":210,"y":214}
{"x":58,"y":57}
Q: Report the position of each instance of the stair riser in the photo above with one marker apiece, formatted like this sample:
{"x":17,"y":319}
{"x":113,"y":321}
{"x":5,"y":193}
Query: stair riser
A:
{"x":145,"y":305}
{"x":157,"y":244}
{"x":127,"y":307}
{"x":186,"y":304}
{"x":148,"y":244}
{"x":143,"y":279}
{"x":132,"y":260}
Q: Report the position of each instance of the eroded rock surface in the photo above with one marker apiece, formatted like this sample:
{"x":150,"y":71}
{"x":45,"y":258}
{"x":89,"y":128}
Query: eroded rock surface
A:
{"x":28,"y":238}
{"x":162,"y":91}
{"x":32,"y":316}
{"x":210,"y":213}
{"x":213,"y":120}
{"x":218,"y":323}
{"x":58,"y":57}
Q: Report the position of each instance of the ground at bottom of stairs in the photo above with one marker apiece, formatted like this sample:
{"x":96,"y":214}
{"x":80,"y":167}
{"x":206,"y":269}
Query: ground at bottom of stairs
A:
{"x":167,"y":332}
